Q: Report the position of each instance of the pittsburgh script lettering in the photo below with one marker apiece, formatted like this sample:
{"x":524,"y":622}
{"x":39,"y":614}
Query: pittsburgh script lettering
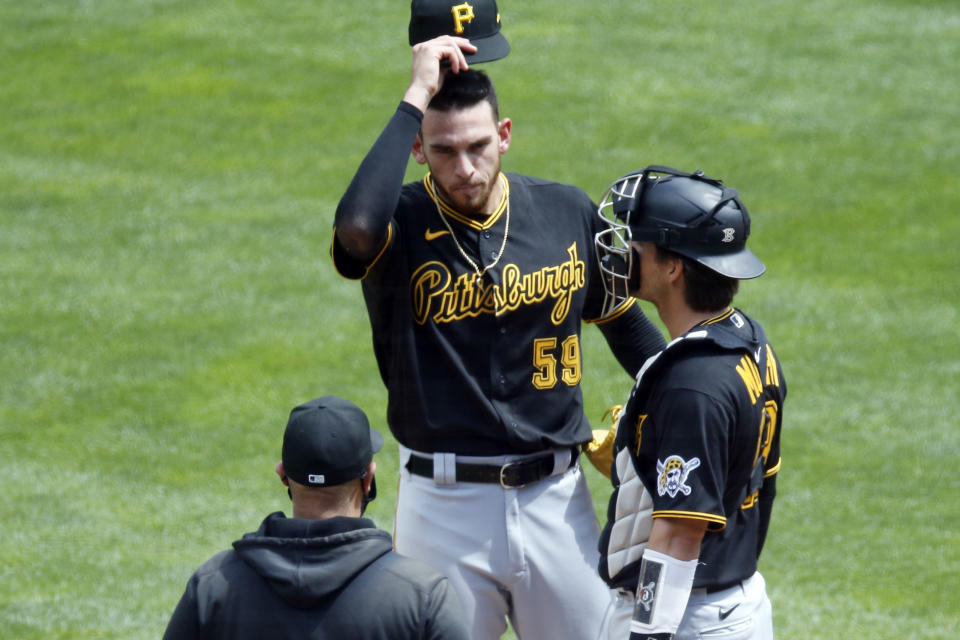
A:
{"x":438,"y":295}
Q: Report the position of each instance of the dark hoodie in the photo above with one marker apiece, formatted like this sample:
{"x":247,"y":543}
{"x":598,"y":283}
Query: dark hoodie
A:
{"x":335,"y":579}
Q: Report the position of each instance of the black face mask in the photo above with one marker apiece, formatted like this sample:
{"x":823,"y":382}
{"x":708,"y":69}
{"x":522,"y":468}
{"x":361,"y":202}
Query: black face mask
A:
{"x":369,"y":496}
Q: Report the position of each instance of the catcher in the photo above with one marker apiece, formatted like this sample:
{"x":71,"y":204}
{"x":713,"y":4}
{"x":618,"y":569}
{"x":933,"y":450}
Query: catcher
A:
{"x":697,"y":445}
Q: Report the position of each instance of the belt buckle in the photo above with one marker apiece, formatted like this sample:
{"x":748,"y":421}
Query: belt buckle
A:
{"x":503,"y":472}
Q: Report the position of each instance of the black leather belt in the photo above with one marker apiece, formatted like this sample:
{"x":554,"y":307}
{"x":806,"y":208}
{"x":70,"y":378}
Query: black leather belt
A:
{"x":719,"y":587}
{"x":511,"y":475}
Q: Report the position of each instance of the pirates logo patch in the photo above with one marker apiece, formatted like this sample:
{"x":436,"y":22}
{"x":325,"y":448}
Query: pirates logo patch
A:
{"x":645,"y":596}
{"x":673,"y":473}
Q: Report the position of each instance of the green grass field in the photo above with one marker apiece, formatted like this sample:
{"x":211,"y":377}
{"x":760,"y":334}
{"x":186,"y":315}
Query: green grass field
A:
{"x":168,"y":176}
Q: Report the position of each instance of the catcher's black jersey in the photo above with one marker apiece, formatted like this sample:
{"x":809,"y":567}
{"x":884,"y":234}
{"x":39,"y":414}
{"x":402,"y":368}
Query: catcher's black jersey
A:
{"x":701,"y":430}
{"x":492,"y":364}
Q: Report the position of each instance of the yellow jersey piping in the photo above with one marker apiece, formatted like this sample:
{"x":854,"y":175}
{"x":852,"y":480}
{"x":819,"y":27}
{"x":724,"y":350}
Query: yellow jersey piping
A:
{"x":467,"y":220}
{"x":773,"y":470}
{"x":613,"y":315}
{"x":691,"y":515}
{"x":720,"y":318}
{"x":367,"y":267}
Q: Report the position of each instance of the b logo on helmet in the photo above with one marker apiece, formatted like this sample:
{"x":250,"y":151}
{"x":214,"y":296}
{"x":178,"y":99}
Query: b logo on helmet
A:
{"x":462,"y":13}
{"x":727,"y":235}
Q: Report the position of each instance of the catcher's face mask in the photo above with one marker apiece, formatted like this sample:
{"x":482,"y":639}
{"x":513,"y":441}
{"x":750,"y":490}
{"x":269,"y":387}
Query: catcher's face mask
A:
{"x":619,"y":261}
{"x":689,"y":213}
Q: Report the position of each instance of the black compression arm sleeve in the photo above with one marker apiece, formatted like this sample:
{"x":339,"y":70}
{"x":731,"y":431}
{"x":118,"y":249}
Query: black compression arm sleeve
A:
{"x":366,"y":208}
{"x":632,"y":338}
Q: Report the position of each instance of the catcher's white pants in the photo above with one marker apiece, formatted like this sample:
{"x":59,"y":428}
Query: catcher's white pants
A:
{"x":529,"y":554}
{"x":747,"y":608}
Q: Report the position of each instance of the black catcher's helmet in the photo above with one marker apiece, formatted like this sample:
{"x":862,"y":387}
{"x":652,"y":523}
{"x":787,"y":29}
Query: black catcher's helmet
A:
{"x":689,"y":213}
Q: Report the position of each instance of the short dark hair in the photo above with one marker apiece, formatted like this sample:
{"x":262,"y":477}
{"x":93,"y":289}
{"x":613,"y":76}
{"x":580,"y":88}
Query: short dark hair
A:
{"x":465,"y":89}
{"x":706,"y":290}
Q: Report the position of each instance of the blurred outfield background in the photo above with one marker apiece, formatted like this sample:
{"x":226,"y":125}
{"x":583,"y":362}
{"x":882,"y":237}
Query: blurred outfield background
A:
{"x":168,"y":175}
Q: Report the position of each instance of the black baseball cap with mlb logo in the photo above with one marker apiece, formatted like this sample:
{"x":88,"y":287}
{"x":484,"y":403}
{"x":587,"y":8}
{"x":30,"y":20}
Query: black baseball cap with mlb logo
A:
{"x":476,"y":20}
{"x":328,"y":441}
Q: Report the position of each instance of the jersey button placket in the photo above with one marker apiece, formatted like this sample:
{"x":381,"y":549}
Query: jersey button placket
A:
{"x":498,"y":374}
{"x":487,"y":247}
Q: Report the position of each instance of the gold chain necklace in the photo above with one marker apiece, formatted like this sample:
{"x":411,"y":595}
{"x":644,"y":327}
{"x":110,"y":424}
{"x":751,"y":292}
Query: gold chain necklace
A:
{"x":503,"y":245}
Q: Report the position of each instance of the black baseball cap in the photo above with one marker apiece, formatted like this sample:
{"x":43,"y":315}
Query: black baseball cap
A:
{"x":476,"y":20}
{"x":328,"y":441}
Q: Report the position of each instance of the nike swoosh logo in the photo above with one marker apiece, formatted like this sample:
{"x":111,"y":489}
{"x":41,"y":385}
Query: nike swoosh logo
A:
{"x":433,"y":235}
{"x":724,"y":614}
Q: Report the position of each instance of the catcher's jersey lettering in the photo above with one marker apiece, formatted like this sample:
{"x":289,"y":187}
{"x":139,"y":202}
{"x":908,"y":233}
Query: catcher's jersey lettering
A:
{"x":751,"y":378}
{"x":640,"y":420}
{"x":768,"y":427}
{"x":771,"y":377}
{"x":437,"y":295}
{"x":462,"y":13}
{"x":768,"y":424}
{"x":545,"y":362}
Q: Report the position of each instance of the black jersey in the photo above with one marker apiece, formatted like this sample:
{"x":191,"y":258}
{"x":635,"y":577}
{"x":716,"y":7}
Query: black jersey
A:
{"x":701,"y":434}
{"x":489,"y":365}
{"x":482,"y":364}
